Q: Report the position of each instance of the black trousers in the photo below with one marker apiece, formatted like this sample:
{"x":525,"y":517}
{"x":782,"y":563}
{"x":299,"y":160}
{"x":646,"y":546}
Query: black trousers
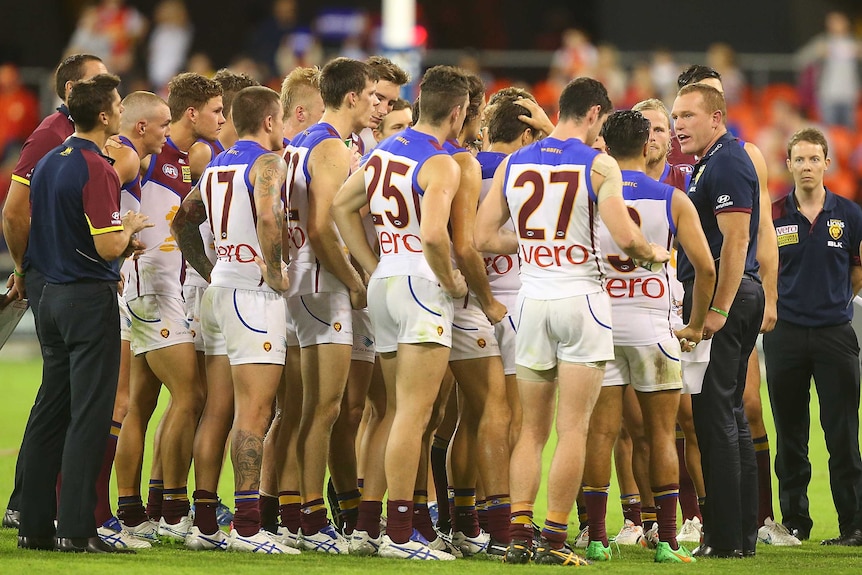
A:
{"x":727,"y":452}
{"x":831,"y":355}
{"x":34,"y":284}
{"x":69,"y":424}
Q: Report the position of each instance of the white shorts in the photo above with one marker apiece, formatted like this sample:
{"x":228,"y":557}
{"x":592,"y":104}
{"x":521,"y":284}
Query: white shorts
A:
{"x":363,"y":337}
{"x":292,"y":340}
{"x":409,"y":309}
{"x":473,"y":335}
{"x":505,"y":332}
{"x":574,"y":329}
{"x":646,"y":368}
{"x":322,"y":318}
{"x":247,"y":326}
{"x":193,"y":296}
{"x":125,"y":319}
{"x":157,"y":322}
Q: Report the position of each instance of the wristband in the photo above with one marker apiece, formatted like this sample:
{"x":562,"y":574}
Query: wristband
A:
{"x":719,"y":311}
{"x":18,"y":274}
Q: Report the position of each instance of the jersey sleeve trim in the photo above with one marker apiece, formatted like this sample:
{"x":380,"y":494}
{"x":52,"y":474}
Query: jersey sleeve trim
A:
{"x":21,"y":180}
{"x":99,"y":231}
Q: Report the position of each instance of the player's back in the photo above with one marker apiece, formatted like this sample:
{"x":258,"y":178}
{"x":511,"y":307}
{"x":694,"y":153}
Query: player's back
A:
{"x":553,"y":206}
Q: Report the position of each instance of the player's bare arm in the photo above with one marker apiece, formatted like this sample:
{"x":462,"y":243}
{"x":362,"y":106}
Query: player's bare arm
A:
{"x":856,"y":275}
{"x":767,"y":242}
{"x":329,"y":166}
{"x":186,"y":230}
{"x":463,"y":221}
{"x":16,"y":229}
{"x":489,"y":235}
{"x":127,"y":163}
{"x":691,"y":237}
{"x":200,"y":155}
{"x":347,"y":208}
{"x":268,"y":176}
{"x":734,"y":228}
{"x":440,"y":177}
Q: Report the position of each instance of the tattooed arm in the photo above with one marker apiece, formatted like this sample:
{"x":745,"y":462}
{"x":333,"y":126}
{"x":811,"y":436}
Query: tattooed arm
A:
{"x":268,"y":176}
{"x":186,"y":230}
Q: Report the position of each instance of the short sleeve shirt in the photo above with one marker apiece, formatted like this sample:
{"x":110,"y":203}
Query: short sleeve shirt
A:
{"x":53,"y":130}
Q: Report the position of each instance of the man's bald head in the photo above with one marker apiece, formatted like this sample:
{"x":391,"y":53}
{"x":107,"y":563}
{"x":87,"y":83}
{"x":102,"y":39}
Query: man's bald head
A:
{"x":139,"y":106}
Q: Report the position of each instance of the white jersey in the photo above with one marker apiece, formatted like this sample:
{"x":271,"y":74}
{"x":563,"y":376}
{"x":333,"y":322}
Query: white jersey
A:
{"x":640,"y":299}
{"x":503,"y":269}
{"x":395,"y":199}
{"x":160,"y":269}
{"x":193,"y":278}
{"x":229,"y":199}
{"x":306,"y":273}
{"x":553,"y":205}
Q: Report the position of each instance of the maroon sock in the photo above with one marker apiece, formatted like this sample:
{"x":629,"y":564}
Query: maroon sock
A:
{"x":555,"y":534}
{"x":130,"y":510}
{"x":482,"y":514}
{"x":521,"y":526}
{"x":764,"y":479}
{"x":399,"y":520}
{"x":206,"y":503}
{"x":466,"y":519}
{"x":313,"y":517}
{"x":631,"y":504}
{"x":422,"y":521}
{"x":369,"y":518}
{"x":175,"y":504}
{"x":439,"y":449}
{"x":155,"y":499}
{"x":246,"y":519}
{"x":648,"y":516}
{"x":687,"y":495}
{"x":498,"y":510}
{"x":289,"y":509}
{"x":268,"y":506}
{"x":666,"y":497}
{"x":103,"y":481}
{"x":596,"y":499}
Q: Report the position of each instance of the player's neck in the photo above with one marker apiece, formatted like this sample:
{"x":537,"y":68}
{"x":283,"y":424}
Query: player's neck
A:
{"x":655,"y":170}
{"x":505,"y":147}
{"x":632,"y":164}
{"x":568,"y":129}
{"x":342,"y":120}
{"x":721,"y":131}
{"x":135,"y":140}
{"x":98,"y":136}
{"x":440,"y":133}
{"x":810,"y":199}
{"x":182,"y":135}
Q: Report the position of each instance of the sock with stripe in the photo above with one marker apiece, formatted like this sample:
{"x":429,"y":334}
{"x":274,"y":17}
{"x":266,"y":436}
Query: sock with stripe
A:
{"x":596,"y":499}
{"x":466,"y":518}
{"x":399,"y":520}
{"x":313,"y":516}
{"x":246,"y":520}
{"x":155,"y":499}
{"x":268,"y":512}
{"x":206,"y":503}
{"x":521,"y":523}
{"x":687,"y":495}
{"x":666,"y":497}
{"x":176,"y":504}
{"x":631,"y":504}
{"x":103,"y":511}
{"x":369,"y":518}
{"x":555,"y":529}
{"x":130,"y":510}
{"x":649,"y":517}
{"x":349,"y":505}
{"x":289,"y":510}
{"x":421,"y":518}
{"x":498,"y":509}
{"x":764,"y":479}
{"x":482,"y":513}
{"x":360,"y":484}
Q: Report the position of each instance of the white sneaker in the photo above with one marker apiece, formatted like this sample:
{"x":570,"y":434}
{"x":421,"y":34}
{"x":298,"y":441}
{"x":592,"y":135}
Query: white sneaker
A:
{"x":691,"y":531}
{"x":443,"y":543}
{"x":287,"y":537}
{"x":112,"y":533}
{"x":146,"y":531}
{"x":260,"y":542}
{"x":630,"y":534}
{"x":773,"y":533}
{"x":178,"y":531}
{"x":471,"y":545}
{"x":650,"y":537}
{"x":327,"y":540}
{"x":411,"y":550}
{"x":361,"y":543}
{"x":202,"y":542}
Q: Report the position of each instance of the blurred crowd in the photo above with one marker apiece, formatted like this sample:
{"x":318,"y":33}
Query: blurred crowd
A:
{"x":147,"y":50}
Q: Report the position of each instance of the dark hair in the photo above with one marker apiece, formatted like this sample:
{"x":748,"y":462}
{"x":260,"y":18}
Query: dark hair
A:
{"x":342,"y":76}
{"x":511,"y":93}
{"x":810,"y":135}
{"x":89,"y":98}
{"x":231,"y":83}
{"x":580,"y":95}
{"x":251,"y":106}
{"x":442,"y":88}
{"x":388,"y":70}
{"x":503,"y":123}
{"x":476,"y":89}
{"x":190,"y":90}
{"x":625,"y":134}
{"x":71,"y":69}
{"x":696,"y":73}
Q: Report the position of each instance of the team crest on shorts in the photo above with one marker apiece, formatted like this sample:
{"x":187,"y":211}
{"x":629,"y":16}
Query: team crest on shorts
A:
{"x":165,"y":333}
{"x":337,"y":326}
{"x":439,"y":330}
{"x":481,"y":342}
{"x":267,"y":346}
{"x":193,"y":333}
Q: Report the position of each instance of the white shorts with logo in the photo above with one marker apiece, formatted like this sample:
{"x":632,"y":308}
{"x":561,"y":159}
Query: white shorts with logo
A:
{"x":363,"y":337}
{"x":245,"y":325}
{"x":473,"y":335}
{"x":322,"y":318}
{"x":646,"y":368}
{"x":506,"y":330}
{"x":194,"y":296}
{"x":574,"y":329}
{"x":157,"y":322}
{"x":409,"y":309}
{"x":125,"y":319}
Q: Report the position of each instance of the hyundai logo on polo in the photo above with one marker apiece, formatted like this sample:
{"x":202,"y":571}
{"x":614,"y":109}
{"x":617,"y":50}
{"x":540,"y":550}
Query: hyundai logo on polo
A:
{"x":723,"y":198}
{"x":171,"y":171}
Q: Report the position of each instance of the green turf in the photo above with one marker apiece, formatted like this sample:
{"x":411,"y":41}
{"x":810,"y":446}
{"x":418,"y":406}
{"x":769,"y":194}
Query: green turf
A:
{"x":20,"y":380}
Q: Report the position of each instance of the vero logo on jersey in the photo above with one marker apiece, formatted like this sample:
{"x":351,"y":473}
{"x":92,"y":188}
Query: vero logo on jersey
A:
{"x":171,"y":171}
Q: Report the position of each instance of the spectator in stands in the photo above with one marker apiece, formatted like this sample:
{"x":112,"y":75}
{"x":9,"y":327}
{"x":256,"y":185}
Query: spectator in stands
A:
{"x":273,"y":33}
{"x":19,"y":110}
{"x":721,"y":58}
{"x":169,"y":42}
{"x":577,"y":56}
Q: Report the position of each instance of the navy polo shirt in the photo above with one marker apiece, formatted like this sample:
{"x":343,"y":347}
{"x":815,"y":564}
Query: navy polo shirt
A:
{"x":723,"y":181}
{"x":76,"y":195}
{"x":814,"y":260}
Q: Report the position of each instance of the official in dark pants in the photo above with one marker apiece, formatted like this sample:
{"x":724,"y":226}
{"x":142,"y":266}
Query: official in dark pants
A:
{"x":76,"y":238}
{"x":819,"y":236}
{"x":724,"y":189}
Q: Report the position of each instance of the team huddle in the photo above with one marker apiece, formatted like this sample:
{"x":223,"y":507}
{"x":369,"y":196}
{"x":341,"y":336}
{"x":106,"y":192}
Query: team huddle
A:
{"x":331,"y":278}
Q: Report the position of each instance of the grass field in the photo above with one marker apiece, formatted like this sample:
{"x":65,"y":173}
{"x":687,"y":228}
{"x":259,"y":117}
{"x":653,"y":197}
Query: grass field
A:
{"x":20,"y":380}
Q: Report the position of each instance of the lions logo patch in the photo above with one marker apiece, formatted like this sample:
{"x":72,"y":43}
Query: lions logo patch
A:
{"x":439,"y":330}
{"x":267,"y":346}
{"x":165,"y":333}
{"x":481,"y":343}
{"x":337,"y":327}
{"x":836,"y":228}
{"x":193,"y":333}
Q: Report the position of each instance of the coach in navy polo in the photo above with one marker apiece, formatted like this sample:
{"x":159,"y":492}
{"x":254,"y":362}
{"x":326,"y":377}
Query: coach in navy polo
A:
{"x":76,"y":238}
{"x":724,"y":189}
{"x":819,"y":237}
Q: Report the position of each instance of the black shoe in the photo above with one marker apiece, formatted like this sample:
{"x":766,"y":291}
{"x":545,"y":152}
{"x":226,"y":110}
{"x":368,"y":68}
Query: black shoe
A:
{"x":707,"y":551}
{"x":496,"y":549}
{"x":748,"y":553}
{"x":12,"y":519}
{"x":86,"y":545}
{"x":851,"y":538}
{"x":40,"y":543}
{"x":518,"y":552}
{"x":797,"y":532}
{"x":547,"y":555}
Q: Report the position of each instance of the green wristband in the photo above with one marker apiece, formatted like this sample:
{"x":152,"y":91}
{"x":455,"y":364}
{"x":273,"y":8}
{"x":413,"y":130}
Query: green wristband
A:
{"x":719,"y":311}
{"x":17,"y":273}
